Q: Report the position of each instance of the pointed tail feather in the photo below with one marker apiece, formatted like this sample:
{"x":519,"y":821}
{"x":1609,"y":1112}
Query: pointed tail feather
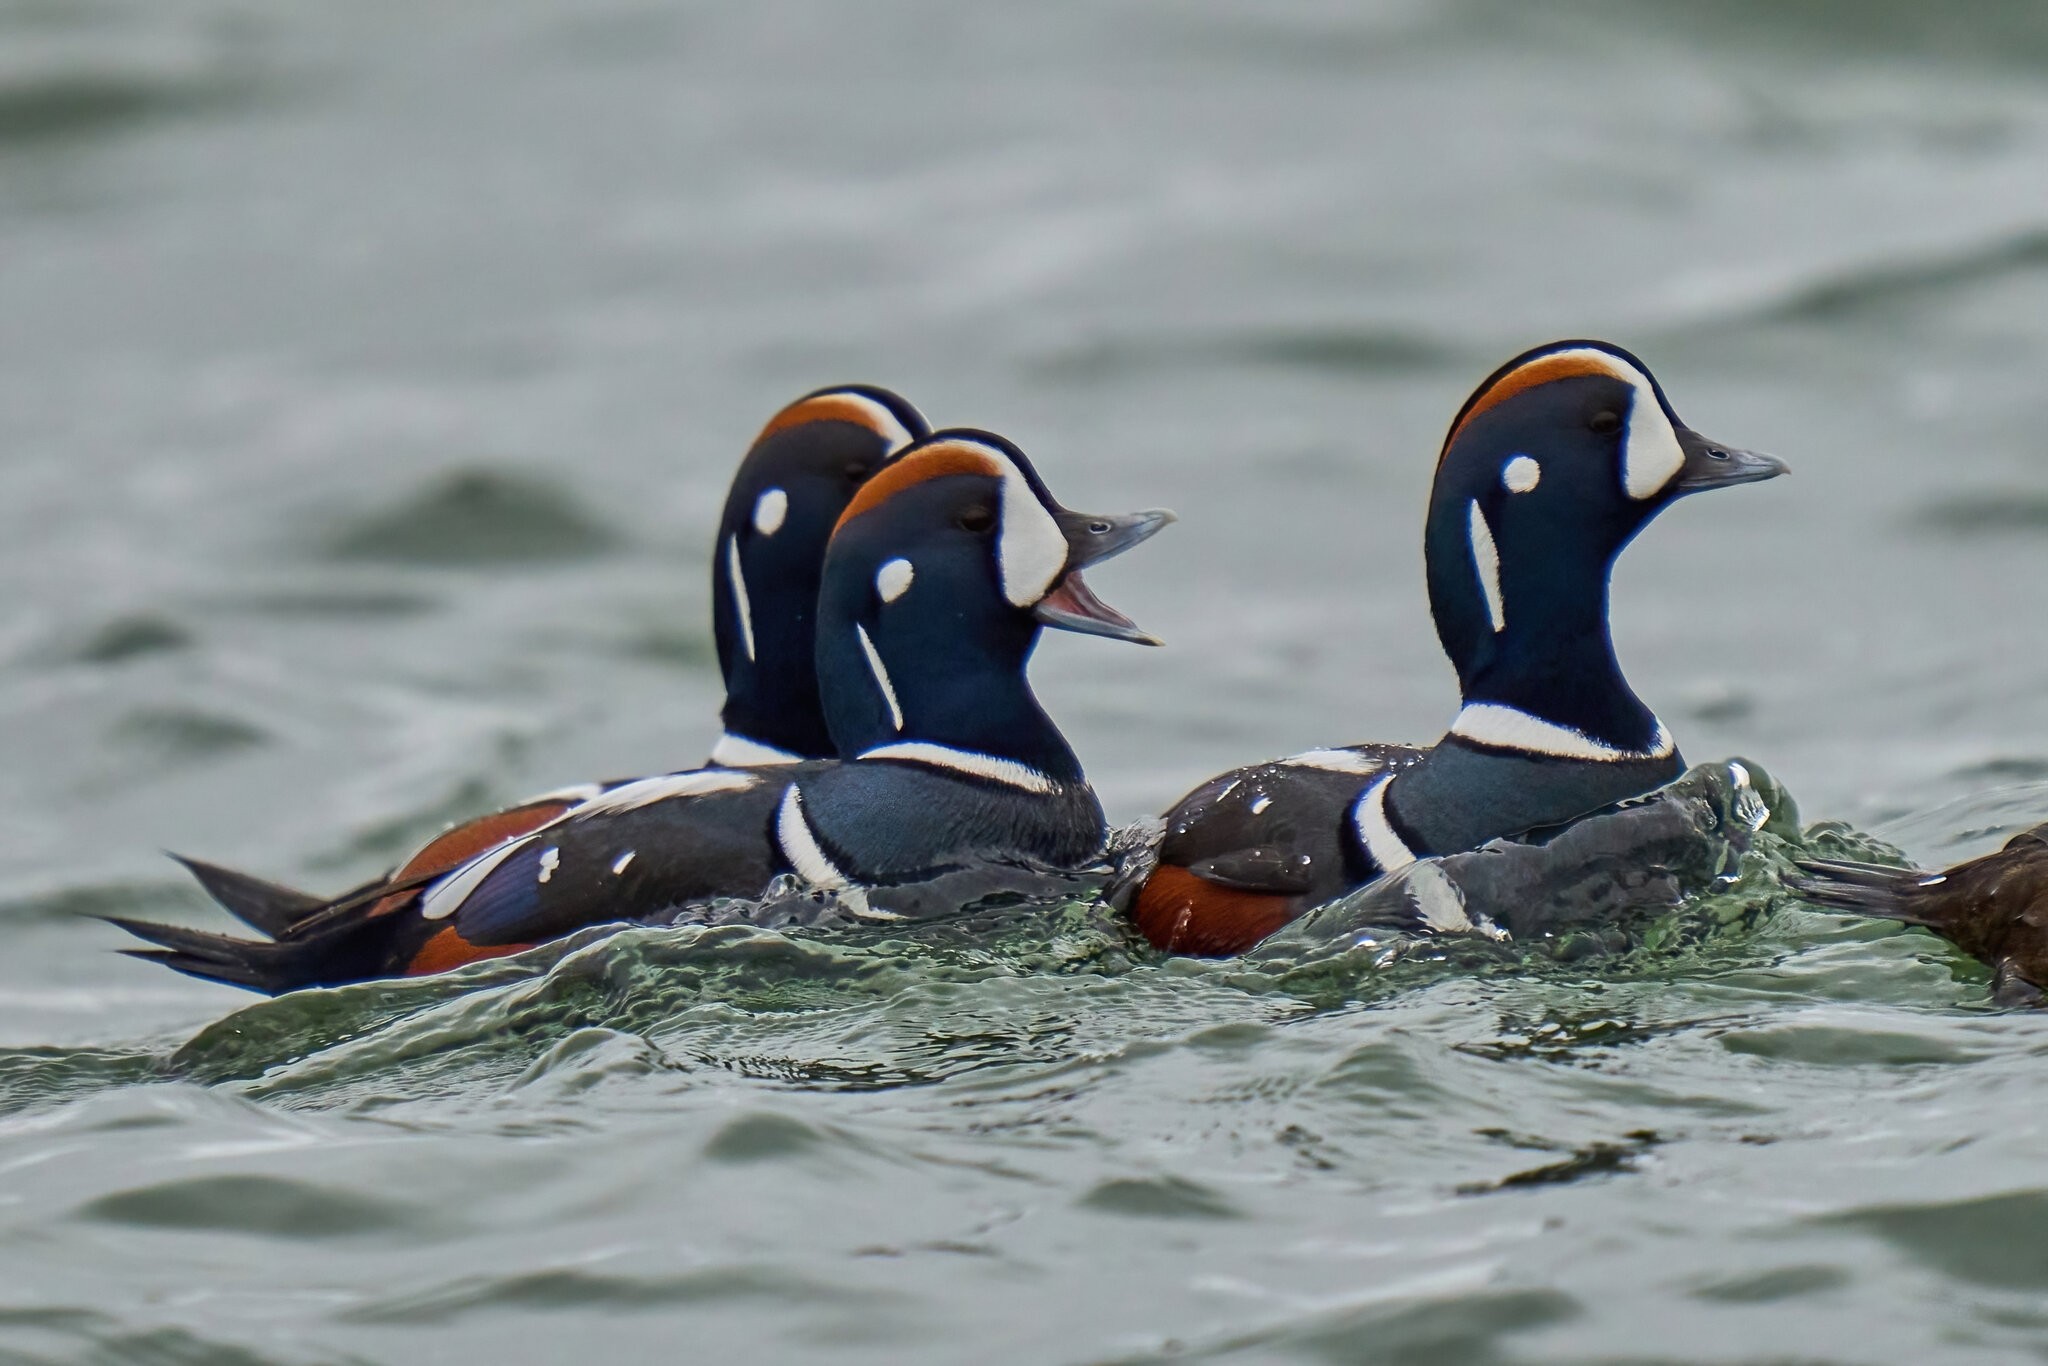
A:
{"x":346,"y":953}
{"x":1871,"y":889}
{"x":268,"y":907}
{"x":215,"y":957}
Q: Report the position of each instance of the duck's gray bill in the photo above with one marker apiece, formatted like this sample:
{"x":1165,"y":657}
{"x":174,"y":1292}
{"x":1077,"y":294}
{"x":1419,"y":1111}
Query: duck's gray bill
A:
{"x":1712,"y":465}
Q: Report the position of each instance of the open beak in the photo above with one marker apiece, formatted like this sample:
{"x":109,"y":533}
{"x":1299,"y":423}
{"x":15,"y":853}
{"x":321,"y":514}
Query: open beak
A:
{"x":1711,"y":465}
{"x":1072,"y":604}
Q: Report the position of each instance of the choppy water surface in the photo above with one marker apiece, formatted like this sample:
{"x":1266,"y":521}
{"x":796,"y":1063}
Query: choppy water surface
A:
{"x":370,"y":375}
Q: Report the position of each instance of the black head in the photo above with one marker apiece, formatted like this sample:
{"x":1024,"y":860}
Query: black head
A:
{"x":938,"y":580}
{"x":1550,"y":469}
{"x":801,"y":472}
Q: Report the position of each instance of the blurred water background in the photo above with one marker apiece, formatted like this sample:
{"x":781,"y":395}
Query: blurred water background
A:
{"x":370,"y":375}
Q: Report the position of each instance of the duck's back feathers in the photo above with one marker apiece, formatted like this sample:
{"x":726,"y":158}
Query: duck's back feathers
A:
{"x":1251,"y":849}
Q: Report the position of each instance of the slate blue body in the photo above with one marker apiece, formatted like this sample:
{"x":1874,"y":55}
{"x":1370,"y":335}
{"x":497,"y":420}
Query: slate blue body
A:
{"x":1553,"y":466}
{"x":982,"y":778}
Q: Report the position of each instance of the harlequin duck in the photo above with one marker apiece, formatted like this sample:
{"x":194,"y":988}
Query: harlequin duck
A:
{"x":1994,"y":908}
{"x":1550,"y":469}
{"x":795,"y":480}
{"x":938,"y":578}
{"x":802,"y":471}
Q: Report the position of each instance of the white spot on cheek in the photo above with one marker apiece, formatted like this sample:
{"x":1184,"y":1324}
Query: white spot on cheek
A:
{"x":550,"y":859}
{"x":1521,"y":474}
{"x":893,"y":579}
{"x":1486,"y":560}
{"x":769,"y":510}
{"x":624,"y":860}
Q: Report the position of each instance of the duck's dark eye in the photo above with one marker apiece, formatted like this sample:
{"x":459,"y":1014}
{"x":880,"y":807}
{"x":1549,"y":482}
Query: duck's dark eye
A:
{"x":858,"y":470}
{"x":1605,"y":422}
{"x":976,"y":519}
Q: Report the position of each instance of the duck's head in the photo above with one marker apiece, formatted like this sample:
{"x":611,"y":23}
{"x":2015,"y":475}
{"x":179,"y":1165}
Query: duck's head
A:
{"x":797,"y":478}
{"x":1550,"y":468}
{"x":938,"y":579}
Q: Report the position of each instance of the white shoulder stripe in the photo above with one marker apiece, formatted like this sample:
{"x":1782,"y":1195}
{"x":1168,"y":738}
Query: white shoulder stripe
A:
{"x":445,"y":897}
{"x":1006,"y":771}
{"x":739,"y":593}
{"x":801,"y":847}
{"x":641,"y":792}
{"x":1335,"y":760}
{"x":1376,"y":832}
{"x":737,"y":751}
{"x":1503,"y":727}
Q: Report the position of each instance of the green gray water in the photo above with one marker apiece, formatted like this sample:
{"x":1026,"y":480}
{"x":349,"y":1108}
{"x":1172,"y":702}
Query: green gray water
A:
{"x":369,"y":377}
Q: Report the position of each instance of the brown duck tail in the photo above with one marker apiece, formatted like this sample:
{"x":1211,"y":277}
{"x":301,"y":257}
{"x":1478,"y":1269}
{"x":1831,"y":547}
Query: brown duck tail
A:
{"x":1871,"y":889}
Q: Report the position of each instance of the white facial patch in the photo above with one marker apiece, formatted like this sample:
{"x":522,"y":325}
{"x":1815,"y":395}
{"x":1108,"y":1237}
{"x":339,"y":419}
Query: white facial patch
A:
{"x":740,"y":605}
{"x":1031,"y":550}
{"x":1030,"y":547}
{"x":1650,"y":454}
{"x":1521,"y":474}
{"x":769,"y":510}
{"x":887,"y":425}
{"x":1486,"y":563}
{"x":893,"y":579}
{"x":881,"y":674}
